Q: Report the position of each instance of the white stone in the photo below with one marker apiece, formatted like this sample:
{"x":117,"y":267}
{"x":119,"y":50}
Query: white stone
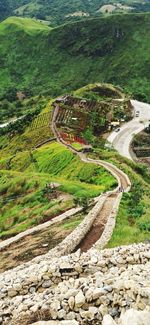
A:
{"x":55,"y":305}
{"x":79,"y":299}
{"x":12,"y":293}
{"x":97,"y":293}
{"x":134,"y":317}
{"x":71,"y":293}
{"x":92,"y":312}
{"x":71,"y":302}
{"x":61,"y":314}
{"x":69,"y":322}
{"x":34,"y":308}
{"x":108,"y":320}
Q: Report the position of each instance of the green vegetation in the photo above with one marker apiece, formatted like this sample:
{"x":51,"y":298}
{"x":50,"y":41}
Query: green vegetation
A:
{"x":99,"y":91}
{"x":17,"y":136}
{"x":26,"y":200}
{"x":141,"y":144}
{"x":27,"y":24}
{"x":133,"y":220}
{"x":112,"y":49}
{"x":72,"y":223}
{"x":27,"y":174}
{"x":142,"y":139}
{"x":57,"y":11}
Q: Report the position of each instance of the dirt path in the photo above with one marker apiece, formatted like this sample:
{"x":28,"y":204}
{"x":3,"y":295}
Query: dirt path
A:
{"x":38,"y":240}
{"x":98,"y":226}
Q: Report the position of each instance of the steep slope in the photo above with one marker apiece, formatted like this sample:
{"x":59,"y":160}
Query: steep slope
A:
{"x":113,"y":49}
{"x":7,"y":7}
{"x":58,"y":12}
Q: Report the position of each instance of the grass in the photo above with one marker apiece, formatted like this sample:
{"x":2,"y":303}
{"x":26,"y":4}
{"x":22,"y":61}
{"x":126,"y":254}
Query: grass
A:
{"x":133,"y":219}
{"x":129,"y":231}
{"x":25,"y":200}
{"x":35,"y":57}
{"x":28,"y":25}
{"x":71,"y":224}
{"x":30,"y":137}
{"x":77,"y":146}
{"x":99,"y":91}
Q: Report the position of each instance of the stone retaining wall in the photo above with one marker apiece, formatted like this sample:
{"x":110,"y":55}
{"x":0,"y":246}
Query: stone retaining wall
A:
{"x":33,"y":230}
{"x":109,"y":227}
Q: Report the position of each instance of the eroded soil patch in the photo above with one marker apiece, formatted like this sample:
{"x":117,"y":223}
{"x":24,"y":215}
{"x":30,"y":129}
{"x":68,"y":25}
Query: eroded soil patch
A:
{"x":98,"y":226}
{"x":38,"y":243}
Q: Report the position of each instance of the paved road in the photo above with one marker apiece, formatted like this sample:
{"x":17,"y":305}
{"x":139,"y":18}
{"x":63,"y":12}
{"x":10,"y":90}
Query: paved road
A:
{"x":121,"y":140}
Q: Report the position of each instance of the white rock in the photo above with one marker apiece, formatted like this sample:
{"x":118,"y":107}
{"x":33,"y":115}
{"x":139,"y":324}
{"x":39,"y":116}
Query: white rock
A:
{"x":61,"y":314}
{"x":93,"y":310}
{"x":51,"y":322}
{"x":34,"y":308}
{"x":79,"y":299}
{"x":135,"y":317}
{"x":70,"y":316}
{"x":97,"y":293}
{"x":71,"y":302}
{"x":89,"y":295}
{"x":12,"y":293}
{"x":71,"y":293}
{"x":108,"y":320}
{"x":55,"y":305}
{"x":69,"y":322}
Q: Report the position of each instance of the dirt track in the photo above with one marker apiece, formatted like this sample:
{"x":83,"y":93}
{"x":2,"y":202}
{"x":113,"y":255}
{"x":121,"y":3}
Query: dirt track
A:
{"x":99,"y":224}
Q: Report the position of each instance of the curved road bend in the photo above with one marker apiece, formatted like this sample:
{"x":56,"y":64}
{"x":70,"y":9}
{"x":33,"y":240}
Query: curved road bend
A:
{"x":111,"y":198}
{"x":121,"y":140}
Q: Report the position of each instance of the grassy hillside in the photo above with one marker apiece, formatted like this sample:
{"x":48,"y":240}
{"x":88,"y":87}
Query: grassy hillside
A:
{"x":58,"y":11}
{"x":28,"y":25}
{"x":133,"y":219}
{"x":26,"y":200}
{"x":113,"y":49}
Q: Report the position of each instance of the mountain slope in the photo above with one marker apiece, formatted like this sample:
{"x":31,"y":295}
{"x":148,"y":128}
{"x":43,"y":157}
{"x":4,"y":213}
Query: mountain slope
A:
{"x":7,"y":7}
{"x":58,"y":12}
{"x":113,"y":49}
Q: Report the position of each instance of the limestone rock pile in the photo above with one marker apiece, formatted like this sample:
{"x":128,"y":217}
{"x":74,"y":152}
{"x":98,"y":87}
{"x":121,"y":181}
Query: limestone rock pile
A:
{"x":45,"y":271}
{"x":78,"y":289}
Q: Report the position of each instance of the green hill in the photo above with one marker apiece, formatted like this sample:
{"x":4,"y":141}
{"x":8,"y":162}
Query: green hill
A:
{"x":36,"y":58}
{"x":27,"y":173}
{"x":58,"y":11}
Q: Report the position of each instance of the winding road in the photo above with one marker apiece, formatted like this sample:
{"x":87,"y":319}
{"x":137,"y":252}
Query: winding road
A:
{"x":121,"y":140}
{"x":111,"y":197}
